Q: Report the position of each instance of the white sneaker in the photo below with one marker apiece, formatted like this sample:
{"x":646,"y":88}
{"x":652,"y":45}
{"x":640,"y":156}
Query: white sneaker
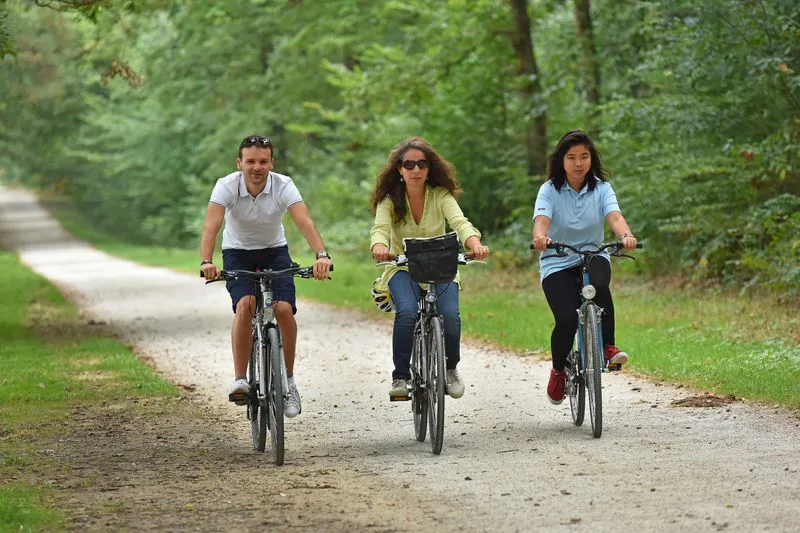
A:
{"x":455,"y":387}
{"x":291,"y":406}
{"x":399,"y":389}
{"x":239,"y":392}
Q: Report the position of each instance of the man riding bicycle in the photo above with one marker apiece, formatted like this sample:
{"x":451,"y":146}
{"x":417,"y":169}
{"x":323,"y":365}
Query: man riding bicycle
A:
{"x":252,"y":203}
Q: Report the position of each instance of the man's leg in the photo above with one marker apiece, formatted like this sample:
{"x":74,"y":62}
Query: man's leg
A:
{"x":242,"y":335}
{"x":288,"y":327}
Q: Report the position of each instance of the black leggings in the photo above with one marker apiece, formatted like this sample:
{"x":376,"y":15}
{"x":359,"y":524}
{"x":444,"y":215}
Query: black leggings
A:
{"x":562,"y":290}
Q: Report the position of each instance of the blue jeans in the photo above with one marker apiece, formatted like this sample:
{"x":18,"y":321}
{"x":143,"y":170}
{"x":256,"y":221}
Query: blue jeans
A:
{"x":406,"y":294}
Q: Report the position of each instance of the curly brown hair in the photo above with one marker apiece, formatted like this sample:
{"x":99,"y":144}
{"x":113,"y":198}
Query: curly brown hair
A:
{"x":441,"y":173}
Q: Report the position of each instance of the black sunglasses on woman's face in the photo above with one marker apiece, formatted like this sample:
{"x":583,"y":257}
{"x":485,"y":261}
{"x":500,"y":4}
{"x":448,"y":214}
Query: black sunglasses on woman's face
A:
{"x":409,"y":164}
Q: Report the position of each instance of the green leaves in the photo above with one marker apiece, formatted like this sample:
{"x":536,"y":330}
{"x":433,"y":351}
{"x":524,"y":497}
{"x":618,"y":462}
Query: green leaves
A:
{"x":699,"y":115}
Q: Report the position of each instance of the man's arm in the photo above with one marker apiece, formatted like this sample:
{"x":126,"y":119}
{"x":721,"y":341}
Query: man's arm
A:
{"x":302,"y":218}
{"x":215,"y":214}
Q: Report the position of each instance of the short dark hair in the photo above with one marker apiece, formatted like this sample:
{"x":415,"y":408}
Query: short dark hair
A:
{"x":555,"y":164}
{"x":256,"y":140}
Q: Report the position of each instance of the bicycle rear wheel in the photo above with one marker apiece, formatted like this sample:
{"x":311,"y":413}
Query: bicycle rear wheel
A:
{"x":256,"y":403}
{"x":593,"y":359}
{"x":436,"y":383}
{"x":419,"y":401}
{"x":274,"y":393}
{"x":575,"y":388}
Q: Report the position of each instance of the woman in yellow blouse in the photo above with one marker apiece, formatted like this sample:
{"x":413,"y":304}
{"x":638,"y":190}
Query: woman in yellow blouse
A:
{"x":414,"y":197}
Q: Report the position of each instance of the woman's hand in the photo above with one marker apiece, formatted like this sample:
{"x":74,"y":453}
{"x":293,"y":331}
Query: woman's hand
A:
{"x":380,"y":252}
{"x":479,"y":252}
{"x":628,"y":241}
{"x":540,"y":242}
{"x":476,"y":249}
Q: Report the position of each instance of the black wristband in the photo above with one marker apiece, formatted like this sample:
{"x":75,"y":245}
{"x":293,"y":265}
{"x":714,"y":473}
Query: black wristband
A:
{"x":206,"y":262}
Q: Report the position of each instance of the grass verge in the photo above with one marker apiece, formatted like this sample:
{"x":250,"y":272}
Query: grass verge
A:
{"x":713,"y":340}
{"x":53,"y":364}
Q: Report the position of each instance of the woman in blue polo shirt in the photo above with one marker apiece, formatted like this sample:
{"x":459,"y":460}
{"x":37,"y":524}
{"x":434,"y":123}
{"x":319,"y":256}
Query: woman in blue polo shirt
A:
{"x":571,"y":207}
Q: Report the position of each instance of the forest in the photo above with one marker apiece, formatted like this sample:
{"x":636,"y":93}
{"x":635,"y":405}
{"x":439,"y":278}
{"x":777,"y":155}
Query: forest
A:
{"x":134,"y":108}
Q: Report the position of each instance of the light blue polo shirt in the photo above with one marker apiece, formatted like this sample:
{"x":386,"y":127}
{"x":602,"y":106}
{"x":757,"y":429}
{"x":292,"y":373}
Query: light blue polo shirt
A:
{"x":576,"y":218}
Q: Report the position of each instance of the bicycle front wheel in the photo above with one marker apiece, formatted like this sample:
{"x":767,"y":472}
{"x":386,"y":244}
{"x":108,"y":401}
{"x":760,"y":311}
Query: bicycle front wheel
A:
{"x":274,"y":393}
{"x":256,"y":405}
{"x":419,"y":400}
{"x":436,"y":383}
{"x":593,"y":359}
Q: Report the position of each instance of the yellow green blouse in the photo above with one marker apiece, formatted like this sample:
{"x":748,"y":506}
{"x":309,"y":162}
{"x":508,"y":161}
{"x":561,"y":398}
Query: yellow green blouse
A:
{"x":440,"y":209}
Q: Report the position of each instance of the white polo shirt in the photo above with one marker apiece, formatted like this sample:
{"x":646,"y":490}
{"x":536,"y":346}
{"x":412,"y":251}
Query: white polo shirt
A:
{"x":254,"y":223}
{"x":576,"y":218}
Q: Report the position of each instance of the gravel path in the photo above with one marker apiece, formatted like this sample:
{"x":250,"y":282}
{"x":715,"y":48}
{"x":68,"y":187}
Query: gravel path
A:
{"x":511,"y":461}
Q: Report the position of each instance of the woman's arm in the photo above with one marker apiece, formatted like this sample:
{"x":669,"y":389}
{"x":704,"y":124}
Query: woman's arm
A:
{"x":380,"y":236}
{"x":621,"y":229}
{"x":540,"y":226}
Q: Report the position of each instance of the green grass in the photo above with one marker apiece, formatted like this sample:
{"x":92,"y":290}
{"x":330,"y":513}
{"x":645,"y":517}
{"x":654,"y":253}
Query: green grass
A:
{"x":714,"y":340}
{"x":24,"y":508}
{"x":52,"y":362}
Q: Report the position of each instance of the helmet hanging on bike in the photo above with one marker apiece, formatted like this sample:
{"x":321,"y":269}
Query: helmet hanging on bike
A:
{"x":381,"y":298}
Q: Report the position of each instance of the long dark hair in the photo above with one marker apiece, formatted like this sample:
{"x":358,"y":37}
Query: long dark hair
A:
{"x":441,"y":173}
{"x":555,"y":165}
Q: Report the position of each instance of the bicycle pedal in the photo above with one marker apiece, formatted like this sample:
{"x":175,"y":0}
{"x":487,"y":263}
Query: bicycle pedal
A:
{"x":238,"y":399}
{"x":399,"y":398}
{"x":616,"y":367}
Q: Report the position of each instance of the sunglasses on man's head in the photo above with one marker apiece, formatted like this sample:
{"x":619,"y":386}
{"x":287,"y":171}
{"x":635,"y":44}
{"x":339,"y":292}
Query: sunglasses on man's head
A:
{"x":409,"y":164}
{"x":256,"y":140}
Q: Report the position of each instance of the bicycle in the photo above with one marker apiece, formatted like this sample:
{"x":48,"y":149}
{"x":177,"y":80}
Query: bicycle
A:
{"x":266,"y":370}
{"x":428,"y":368}
{"x":585,"y":362}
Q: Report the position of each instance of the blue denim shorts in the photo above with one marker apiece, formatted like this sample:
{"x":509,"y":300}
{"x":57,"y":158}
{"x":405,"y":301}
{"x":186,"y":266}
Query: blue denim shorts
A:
{"x":263,"y":259}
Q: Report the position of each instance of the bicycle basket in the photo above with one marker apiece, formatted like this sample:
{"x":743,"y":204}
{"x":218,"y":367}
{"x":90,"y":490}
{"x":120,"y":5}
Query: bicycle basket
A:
{"x":433,"y":260}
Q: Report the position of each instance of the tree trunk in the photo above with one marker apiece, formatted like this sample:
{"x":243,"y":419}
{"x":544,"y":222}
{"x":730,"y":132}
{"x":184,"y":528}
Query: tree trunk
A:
{"x":590,"y":66}
{"x":536,"y":111}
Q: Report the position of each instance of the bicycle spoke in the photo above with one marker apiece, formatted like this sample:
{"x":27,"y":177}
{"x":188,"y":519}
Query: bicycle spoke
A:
{"x":274,"y":392}
{"x":258,"y":418}
{"x":594,"y":368}
{"x":419,"y":400}
{"x":436,"y":384}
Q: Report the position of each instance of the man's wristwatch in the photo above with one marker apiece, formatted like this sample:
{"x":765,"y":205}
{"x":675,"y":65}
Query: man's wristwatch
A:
{"x":323,"y":253}
{"x":206,"y":262}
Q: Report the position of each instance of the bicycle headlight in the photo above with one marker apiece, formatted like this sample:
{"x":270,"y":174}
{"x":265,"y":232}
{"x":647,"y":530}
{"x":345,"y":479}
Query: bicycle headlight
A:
{"x":588,"y":291}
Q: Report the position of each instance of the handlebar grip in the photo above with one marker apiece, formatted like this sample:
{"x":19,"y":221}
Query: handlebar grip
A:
{"x":639,"y":245}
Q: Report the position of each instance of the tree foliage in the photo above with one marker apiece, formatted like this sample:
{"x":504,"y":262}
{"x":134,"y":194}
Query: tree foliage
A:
{"x":136,"y":107}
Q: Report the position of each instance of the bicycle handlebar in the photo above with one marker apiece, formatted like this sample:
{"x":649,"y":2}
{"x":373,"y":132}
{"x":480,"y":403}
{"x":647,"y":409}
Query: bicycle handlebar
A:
{"x":296,"y":271}
{"x":614,"y":247}
{"x":402,"y":260}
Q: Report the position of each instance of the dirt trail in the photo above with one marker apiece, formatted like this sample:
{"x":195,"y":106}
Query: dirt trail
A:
{"x":511,"y":461}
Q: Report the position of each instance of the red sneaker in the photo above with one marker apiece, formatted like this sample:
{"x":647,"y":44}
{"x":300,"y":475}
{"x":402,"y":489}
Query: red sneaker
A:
{"x":615,"y":356}
{"x":555,"y":387}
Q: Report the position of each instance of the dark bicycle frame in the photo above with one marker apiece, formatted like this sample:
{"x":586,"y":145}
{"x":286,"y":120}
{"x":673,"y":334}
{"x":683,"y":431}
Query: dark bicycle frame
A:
{"x":263,"y":321}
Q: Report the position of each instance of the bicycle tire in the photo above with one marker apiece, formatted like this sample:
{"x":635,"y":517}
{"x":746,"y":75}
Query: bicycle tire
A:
{"x":275,"y":395}
{"x":576,"y":390}
{"x":419,"y":400}
{"x":594,"y":368}
{"x":256,"y":406}
{"x":436,"y":384}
